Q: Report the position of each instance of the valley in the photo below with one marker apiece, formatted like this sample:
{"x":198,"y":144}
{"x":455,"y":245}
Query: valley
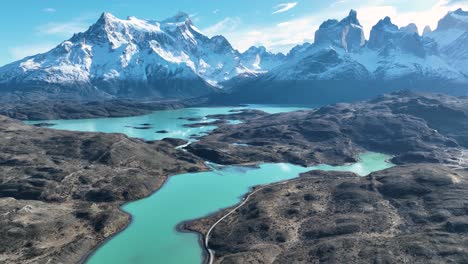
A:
{"x":271,"y":134}
{"x":48,"y":185}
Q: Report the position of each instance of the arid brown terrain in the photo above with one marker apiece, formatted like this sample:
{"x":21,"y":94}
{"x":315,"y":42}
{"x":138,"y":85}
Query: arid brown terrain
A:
{"x":405,"y":214}
{"x":413,"y":127}
{"x":53,"y":109}
{"x":60,"y":191}
{"x":416,"y":212}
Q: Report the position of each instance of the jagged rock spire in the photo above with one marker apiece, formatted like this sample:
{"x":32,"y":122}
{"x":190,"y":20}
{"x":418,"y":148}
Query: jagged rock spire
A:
{"x":347,"y":33}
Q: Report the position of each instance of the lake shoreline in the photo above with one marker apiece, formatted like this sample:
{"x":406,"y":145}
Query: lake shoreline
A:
{"x":67,"y":110}
{"x":89,"y":214}
{"x":259,"y":177}
{"x":185,"y":225}
{"x":130,"y":219}
{"x":335,"y":133}
{"x":215,"y":217}
{"x":359,"y":216}
{"x":179,"y":227}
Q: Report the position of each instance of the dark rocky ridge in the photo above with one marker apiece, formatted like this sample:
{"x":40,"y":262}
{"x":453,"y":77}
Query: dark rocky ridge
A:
{"x":413,"y":127}
{"x":60,"y":191}
{"x":72,"y":109}
{"x":406,"y":214}
{"x":412,"y":213}
{"x":70,"y":184}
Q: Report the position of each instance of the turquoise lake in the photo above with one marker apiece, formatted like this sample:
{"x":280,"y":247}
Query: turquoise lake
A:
{"x":168,"y":120}
{"x":152,"y":236}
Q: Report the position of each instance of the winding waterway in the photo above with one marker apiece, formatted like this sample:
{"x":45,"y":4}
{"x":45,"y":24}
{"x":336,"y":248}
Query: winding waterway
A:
{"x":152,"y":236}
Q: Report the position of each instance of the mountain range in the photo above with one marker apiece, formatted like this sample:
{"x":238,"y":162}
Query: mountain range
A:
{"x":146,"y":59}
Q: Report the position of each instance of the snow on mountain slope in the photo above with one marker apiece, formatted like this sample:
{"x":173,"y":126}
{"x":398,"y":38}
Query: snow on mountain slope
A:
{"x":457,"y":53}
{"x":261,"y":60}
{"x":392,"y":53}
{"x":451,"y":37}
{"x":114,"y":53}
{"x":347,"y":33}
{"x":387,"y":37}
{"x":450,"y":27}
{"x":172,"y":58}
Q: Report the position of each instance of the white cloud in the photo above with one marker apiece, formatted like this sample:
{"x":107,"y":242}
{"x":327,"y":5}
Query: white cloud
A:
{"x":67,"y":28}
{"x":194,"y":17}
{"x":223,"y":27}
{"x":49,"y":10}
{"x":284,"y":7}
{"x":277,"y":37}
{"x":281,"y":37}
{"x":369,"y":16}
{"x":63,"y":29}
{"x":19,"y":52}
{"x":452,"y":2}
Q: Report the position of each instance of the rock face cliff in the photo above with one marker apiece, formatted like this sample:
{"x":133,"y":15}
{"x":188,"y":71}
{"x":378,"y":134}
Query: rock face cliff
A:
{"x":135,"y":58}
{"x":141,"y":59}
{"x":386,"y":37}
{"x":347,"y":33}
{"x":342,"y":66}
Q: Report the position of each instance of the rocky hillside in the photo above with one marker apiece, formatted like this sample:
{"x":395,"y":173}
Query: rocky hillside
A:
{"x":415,"y":212}
{"x":60,"y":191}
{"x":405,"y":214}
{"x":413,"y":127}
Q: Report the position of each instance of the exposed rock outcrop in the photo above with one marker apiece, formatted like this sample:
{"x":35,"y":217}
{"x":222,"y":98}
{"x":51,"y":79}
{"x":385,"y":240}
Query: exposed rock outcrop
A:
{"x":347,"y":33}
{"x":414,"y":214}
{"x":60,"y":191}
{"x":412,"y":127}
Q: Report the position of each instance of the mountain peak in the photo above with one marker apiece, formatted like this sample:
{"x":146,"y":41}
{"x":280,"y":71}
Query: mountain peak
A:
{"x":180,"y":17}
{"x":459,"y":15}
{"x":387,"y":20}
{"x":410,"y":28}
{"x":427,"y":30}
{"x":221,"y":43}
{"x":261,"y":49}
{"x":385,"y":24}
{"x":347,"y":33}
{"x":387,"y":37}
{"x":105,"y":18}
{"x":457,"y":19}
{"x":98,"y":30}
{"x":460,"y":11}
{"x":351,"y":18}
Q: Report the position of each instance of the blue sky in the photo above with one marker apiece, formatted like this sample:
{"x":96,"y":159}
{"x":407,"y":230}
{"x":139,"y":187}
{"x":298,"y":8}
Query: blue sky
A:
{"x":32,"y":26}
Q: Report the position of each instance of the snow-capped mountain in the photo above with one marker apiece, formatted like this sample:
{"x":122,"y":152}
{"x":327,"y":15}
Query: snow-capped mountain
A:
{"x":449,"y":28}
{"x":342,"y":63}
{"x":340,"y":51}
{"x":451,"y":36}
{"x":259,"y":59}
{"x":134,"y":57}
{"x":347,"y":33}
{"x":173,"y":59}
